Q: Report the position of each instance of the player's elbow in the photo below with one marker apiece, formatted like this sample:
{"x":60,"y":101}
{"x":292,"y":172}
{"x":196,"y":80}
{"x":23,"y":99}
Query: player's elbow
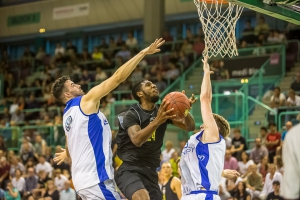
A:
{"x":136,"y":142}
{"x":204,"y":97}
{"x":191,"y":127}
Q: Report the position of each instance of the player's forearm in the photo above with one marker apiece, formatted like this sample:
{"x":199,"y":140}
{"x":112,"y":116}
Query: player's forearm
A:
{"x":206,"y":87}
{"x":189,"y":122}
{"x":126,"y":69}
{"x":141,"y":136}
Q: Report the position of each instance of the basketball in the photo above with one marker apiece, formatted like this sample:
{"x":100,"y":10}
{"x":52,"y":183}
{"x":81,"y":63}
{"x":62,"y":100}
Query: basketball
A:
{"x":179,"y":102}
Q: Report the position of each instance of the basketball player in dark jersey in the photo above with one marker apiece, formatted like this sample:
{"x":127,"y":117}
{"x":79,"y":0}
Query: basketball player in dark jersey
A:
{"x":171,"y":185}
{"x":140,"y":138}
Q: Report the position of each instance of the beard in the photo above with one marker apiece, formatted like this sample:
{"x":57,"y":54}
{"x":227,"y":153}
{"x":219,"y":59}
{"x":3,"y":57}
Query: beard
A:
{"x":152,"y":99}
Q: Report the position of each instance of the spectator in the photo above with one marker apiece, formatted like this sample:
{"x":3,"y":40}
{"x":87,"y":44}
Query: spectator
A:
{"x":42,"y":180}
{"x":248,"y":33}
{"x":4,"y":171}
{"x":40,"y":55}
{"x":187,"y":47}
{"x":97,"y":54}
{"x":59,"y":49}
{"x":18,"y":181}
{"x":263,"y":135}
{"x":40,"y":145}
{"x":51,"y":191}
{"x":293,"y":99}
{"x":2,"y":144}
{"x":85,"y":56}
{"x":167,"y":153}
{"x":270,"y":178}
{"x":279,"y":37}
{"x":259,"y":50}
{"x":244,"y":164}
{"x":263,"y":167}
{"x":31,"y":182}
{"x":11,"y":193}
{"x":189,"y":35}
{"x":241,"y":193}
{"x":26,"y":140}
{"x":174,"y":58}
{"x":100,"y":75}
{"x":258,"y":152}
{"x":59,"y":179}
{"x":43,"y":165}
{"x":172,"y":73}
{"x":71,"y":48}
{"x":15,"y":165}
{"x":262,"y":27}
{"x":131,"y":41}
{"x":279,"y":164}
{"x":183,"y":59}
{"x":86,"y":78}
{"x":224,"y":195}
{"x":17,"y":116}
{"x":238,"y":144}
{"x":112,"y":43}
{"x":120,"y":41}
{"x":67,"y":193}
{"x":110,"y":98}
{"x":160,"y":84}
{"x":276,"y":192}
{"x":174,"y":163}
{"x":124,"y":53}
{"x":14,"y":106}
{"x":296,"y":84}
{"x":199,"y":46}
{"x":105,"y":108}
{"x":48,"y":154}
{"x":136,"y":75}
{"x":273,"y":141}
{"x":32,"y":103}
{"x":103,"y":44}
{"x":278,"y":98}
{"x":254,"y":182}
{"x":271,"y":38}
{"x":168,"y":38}
{"x":288,"y":126}
{"x":230,"y":162}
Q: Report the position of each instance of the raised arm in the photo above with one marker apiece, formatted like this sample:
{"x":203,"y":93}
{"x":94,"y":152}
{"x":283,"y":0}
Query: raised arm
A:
{"x":211,"y":133}
{"x":99,"y":91}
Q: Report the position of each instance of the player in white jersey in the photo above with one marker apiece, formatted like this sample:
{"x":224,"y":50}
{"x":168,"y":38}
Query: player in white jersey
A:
{"x":202,"y":159}
{"x":88,"y":133}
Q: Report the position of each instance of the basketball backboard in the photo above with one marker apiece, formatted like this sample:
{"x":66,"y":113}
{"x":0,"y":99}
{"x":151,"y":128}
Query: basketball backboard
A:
{"x":287,"y":10}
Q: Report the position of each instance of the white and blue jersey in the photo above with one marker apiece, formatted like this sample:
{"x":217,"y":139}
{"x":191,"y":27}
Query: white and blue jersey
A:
{"x":89,"y":139}
{"x":201,"y":166}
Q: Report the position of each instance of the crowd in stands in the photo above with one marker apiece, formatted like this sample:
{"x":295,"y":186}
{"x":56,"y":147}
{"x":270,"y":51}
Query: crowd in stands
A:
{"x":31,"y":173}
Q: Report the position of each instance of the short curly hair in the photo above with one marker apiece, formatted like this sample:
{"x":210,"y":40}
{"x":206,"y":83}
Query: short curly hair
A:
{"x":223,"y":125}
{"x":58,"y":86}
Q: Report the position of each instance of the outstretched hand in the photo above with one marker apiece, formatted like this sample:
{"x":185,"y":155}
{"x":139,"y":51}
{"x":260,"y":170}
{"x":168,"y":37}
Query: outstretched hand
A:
{"x":206,"y":68}
{"x":154,"y":47}
{"x":60,"y":157}
{"x":192,"y":99}
{"x":227,"y":173}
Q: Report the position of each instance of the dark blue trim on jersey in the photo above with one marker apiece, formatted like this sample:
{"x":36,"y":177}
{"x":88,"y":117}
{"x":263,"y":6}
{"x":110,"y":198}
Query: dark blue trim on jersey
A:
{"x":202,"y":153}
{"x":95,"y":132}
{"x":209,"y":194}
{"x":72,"y":102}
{"x":106,"y":193}
{"x":200,"y":135}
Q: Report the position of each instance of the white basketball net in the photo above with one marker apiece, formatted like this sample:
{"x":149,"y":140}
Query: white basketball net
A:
{"x":219,"y":27}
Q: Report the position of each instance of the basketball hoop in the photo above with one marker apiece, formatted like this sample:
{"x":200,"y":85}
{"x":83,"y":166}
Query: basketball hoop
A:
{"x":218,"y":19}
